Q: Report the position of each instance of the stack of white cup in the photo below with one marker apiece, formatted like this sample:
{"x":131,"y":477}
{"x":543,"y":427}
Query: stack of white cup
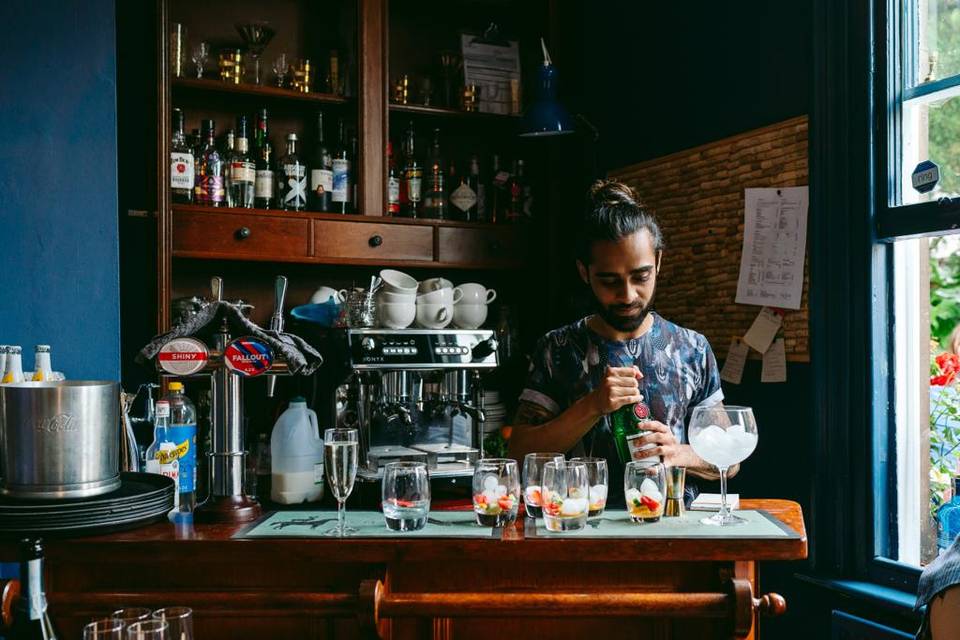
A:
{"x":470,"y":309}
{"x":436,"y":298}
{"x":397,"y":299}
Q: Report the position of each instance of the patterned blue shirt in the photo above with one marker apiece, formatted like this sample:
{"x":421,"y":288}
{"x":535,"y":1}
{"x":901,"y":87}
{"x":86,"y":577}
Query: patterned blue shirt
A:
{"x":678,"y":366}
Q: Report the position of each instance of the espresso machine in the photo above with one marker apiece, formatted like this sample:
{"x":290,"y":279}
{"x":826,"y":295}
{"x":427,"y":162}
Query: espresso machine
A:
{"x":414,"y":395}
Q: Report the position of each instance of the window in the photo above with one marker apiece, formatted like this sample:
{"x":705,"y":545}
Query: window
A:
{"x":919,"y":449}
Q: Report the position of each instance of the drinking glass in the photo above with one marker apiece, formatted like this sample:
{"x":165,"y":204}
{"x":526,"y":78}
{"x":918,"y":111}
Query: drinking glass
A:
{"x":565,"y":489}
{"x":199,"y":54}
{"x":180,"y":620}
{"x":723,"y":436}
{"x":341,"y":452}
{"x":532,"y":478}
{"x":104,"y":629}
{"x":644,"y":486}
{"x":406,"y":495}
{"x":496,"y":491}
{"x":598,"y":476}
{"x":130,"y":615}
{"x":149,"y":630}
{"x":280,"y":67}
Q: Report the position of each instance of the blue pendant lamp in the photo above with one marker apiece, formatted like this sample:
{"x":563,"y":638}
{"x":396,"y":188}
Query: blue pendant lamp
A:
{"x":546,"y":116}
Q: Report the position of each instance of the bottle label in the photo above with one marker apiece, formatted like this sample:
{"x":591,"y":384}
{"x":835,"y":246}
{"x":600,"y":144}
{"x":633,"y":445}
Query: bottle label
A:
{"x":35,"y":599}
{"x":181,"y":170}
{"x":263,"y":188}
{"x":414,"y":188}
{"x":463,"y":197}
{"x":214,"y":189}
{"x":162,"y":409}
{"x":168,"y":464}
{"x":321,"y":181}
{"x":248,"y":356}
{"x":183,"y":356}
{"x":393,"y":194}
{"x":295,"y":185}
{"x":341,"y":180}
{"x":242,"y":172}
{"x":184,"y":438}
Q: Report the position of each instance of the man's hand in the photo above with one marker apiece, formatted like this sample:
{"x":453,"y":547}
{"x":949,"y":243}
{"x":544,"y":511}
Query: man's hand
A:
{"x":619,"y":387}
{"x":673,"y":453}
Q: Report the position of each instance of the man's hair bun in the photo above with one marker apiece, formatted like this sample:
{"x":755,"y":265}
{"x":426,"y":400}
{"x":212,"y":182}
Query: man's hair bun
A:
{"x":612,"y":193}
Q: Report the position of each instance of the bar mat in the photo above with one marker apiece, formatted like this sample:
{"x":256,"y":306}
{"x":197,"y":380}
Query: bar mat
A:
{"x":369,"y":524}
{"x":759,"y":525}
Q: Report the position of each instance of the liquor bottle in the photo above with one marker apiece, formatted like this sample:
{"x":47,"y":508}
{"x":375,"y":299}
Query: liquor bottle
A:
{"x":393,"y":183}
{"x":463,"y":199}
{"x":182,"y":432}
{"x":515,"y":191}
{"x":209,"y":182}
{"x":412,"y":185}
{"x":226,"y":152}
{"x":195,"y":142}
{"x":31,"y":620}
{"x":42,"y":369}
{"x":435,"y":197}
{"x":321,"y":172}
{"x":625,"y":422}
{"x":13,"y":368}
{"x":243,"y":172}
{"x":261,"y":135}
{"x":477,"y":183}
{"x":3,"y":360}
{"x":948,"y":519}
{"x":342,"y":190}
{"x":181,"y":163}
{"x":264,"y":186}
{"x":498,"y":192}
{"x":526,"y":193}
{"x":292,"y":179}
{"x":162,"y":455}
{"x":354,"y":162}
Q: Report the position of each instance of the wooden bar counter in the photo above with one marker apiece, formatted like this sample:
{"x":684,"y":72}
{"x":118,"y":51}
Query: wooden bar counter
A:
{"x":423,"y":588}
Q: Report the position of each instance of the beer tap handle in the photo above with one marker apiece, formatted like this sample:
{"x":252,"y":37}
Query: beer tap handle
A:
{"x":216,"y":288}
{"x":280,"y":294}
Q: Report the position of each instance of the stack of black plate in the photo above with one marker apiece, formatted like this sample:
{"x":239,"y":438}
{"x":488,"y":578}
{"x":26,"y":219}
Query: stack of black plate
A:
{"x":141,"y":499}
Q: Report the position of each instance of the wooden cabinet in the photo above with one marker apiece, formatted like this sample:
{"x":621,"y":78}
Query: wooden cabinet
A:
{"x":355,"y":241}
{"x":499,"y":247}
{"x":206,"y":234}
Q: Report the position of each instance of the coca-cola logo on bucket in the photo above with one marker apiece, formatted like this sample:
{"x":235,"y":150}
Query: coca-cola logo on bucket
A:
{"x":60,"y":423}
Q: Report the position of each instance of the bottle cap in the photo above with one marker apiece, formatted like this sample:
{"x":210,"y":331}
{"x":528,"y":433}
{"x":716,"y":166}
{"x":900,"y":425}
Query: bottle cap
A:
{"x":298,"y":400}
{"x":42,"y":348}
{"x":14,"y":350}
{"x":175,"y":386}
{"x":292,"y":137}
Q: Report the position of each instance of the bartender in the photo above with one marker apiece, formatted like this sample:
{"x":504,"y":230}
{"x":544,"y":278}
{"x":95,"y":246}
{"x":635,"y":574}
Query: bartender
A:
{"x":622,"y":354}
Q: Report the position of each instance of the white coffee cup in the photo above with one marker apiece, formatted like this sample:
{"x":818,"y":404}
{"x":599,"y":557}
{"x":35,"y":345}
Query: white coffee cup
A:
{"x":474,"y":293}
{"x":396,"y":315}
{"x":469,"y":316}
{"x":438,"y":296}
{"x":323,"y":294}
{"x":434,"y":316}
{"x":434,"y":284}
{"x":396,"y":298}
{"x":398,"y":281}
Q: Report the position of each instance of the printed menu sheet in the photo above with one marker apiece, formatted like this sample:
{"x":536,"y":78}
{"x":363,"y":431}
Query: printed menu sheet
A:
{"x":774,"y":245}
{"x":491,"y":67}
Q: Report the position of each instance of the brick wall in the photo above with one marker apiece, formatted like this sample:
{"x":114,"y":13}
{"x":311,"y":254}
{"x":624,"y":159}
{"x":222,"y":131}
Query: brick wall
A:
{"x":697,"y":195}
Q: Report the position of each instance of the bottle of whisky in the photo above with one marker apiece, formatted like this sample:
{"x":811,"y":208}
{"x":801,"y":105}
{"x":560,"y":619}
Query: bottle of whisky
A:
{"x":499,"y":196}
{"x":292,"y":179}
{"x":342,"y":189}
{"x":412,"y":185}
{"x":181,"y":163}
{"x":261,"y":135}
{"x":31,"y":620}
{"x":242,"y":169}
{"x":226,"y":153}
{"x":264,"y":184}
{"x":477,"y":184}
{"x":321,"y":172}
{"x":463,"y":199}
{"x":209,"y":188}
{"x":393,"y":183}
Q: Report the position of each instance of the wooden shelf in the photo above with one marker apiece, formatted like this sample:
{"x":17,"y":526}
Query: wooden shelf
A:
{"x":261,"y":92}
{"x":417,"y":109}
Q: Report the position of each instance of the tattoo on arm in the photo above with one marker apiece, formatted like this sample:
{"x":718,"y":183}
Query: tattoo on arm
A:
{"x":532,"y":414}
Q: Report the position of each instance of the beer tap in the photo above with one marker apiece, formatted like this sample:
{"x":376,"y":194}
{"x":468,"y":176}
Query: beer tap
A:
{"x":276,"y":323}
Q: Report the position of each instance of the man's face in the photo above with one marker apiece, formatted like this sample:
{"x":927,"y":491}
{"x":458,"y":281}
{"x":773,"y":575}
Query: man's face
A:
{"x":623,"y":278}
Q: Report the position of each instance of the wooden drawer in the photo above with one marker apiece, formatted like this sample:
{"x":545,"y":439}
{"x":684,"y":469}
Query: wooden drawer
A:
{"x":227,"y":235}
{"x":379,"y":242}
{"x":481,"y":247}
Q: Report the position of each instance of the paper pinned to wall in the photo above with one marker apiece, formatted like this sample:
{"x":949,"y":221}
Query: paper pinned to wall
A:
{"x":732,"y":371}
{"x":763,"y":330}
{"x":774,"y":363}
{"x":492,"y":67}
{"x":774,"y":247}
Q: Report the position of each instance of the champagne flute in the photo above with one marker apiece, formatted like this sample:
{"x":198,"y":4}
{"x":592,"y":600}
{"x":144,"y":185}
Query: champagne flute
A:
{"x":104,"y":629}
{"x":723,"y":436}
{"x":341,"y":453}
{"x":149,"y":630}
{"x":129,"y":615}
{"x":180,"y":620}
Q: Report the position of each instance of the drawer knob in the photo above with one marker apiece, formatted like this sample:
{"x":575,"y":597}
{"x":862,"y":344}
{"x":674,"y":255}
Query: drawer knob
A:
{"x":375,"y":241}
{"x":243,"y":233}
{"x":495,"y":246}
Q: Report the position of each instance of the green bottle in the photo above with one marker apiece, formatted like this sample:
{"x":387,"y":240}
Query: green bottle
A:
{"x":625,"y":422}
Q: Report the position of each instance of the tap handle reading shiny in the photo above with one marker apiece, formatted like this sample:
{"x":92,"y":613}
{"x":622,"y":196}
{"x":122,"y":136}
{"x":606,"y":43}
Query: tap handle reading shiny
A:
{"x":216,"y":288}
{"x":280,"y":295}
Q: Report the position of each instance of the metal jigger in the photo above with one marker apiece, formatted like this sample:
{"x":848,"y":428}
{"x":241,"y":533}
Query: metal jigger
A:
{"x":676,"y":479}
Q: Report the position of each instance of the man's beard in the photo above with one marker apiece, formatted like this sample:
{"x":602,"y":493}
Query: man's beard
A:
{"x":624,"y":317}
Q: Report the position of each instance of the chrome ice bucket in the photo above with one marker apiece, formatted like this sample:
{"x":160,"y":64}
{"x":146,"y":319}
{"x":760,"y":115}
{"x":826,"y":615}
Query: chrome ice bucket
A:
{"x":59,"y":439}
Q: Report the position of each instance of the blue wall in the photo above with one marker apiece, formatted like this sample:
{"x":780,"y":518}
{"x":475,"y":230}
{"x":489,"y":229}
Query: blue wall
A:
{"x":59,"y":273}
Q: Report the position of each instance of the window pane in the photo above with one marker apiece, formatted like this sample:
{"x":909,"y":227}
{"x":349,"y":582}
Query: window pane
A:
{"x":931,"y":131}
{"x":927,"y":425}
{"x":938,"y":54}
